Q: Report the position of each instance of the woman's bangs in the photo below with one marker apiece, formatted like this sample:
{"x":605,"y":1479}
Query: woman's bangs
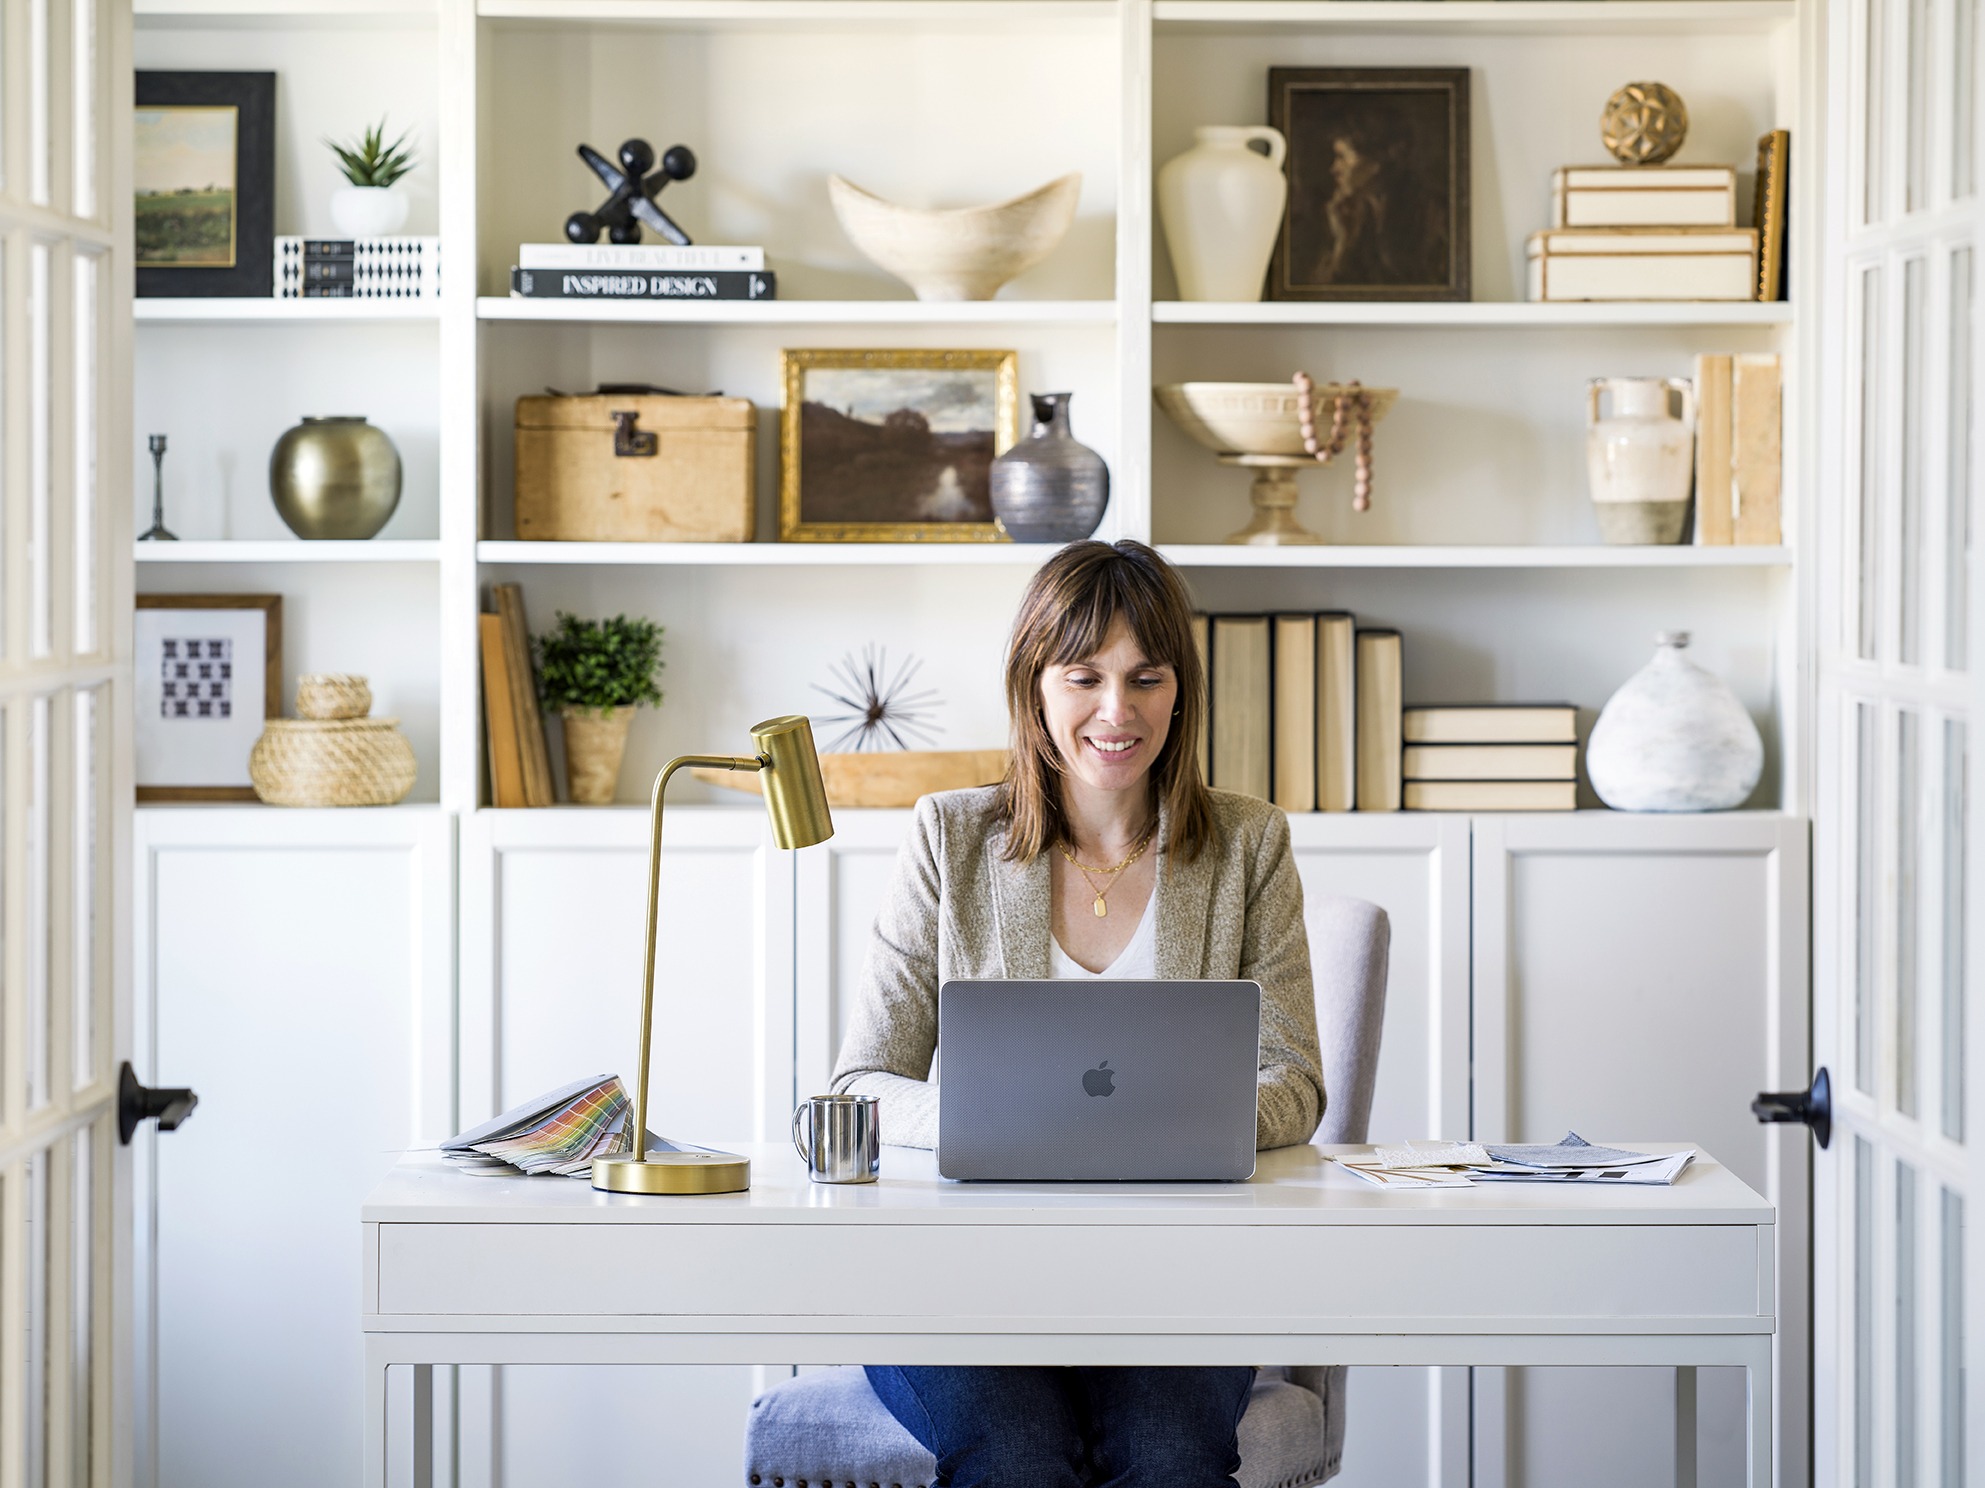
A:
{"x":1091,"y":617}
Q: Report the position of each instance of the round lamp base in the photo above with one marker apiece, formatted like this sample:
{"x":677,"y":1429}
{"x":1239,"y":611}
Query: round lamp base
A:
{"x":673,"y":1173}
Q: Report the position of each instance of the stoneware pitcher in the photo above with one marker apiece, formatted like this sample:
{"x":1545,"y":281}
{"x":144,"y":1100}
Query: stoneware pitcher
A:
{"x":1221,"y":203}
{"x":1640,"y":458}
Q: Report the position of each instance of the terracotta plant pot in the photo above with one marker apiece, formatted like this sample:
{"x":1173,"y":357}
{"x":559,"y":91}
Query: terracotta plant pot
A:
{"x":595,"y":743}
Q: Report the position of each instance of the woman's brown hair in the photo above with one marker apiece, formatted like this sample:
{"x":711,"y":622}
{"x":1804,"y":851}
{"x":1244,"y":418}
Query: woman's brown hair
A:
{"x":1067,"y":614}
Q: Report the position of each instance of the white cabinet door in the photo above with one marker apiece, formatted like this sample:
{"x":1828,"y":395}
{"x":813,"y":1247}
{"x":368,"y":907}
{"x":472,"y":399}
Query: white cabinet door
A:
{"x":1406,"y":1426}
{"x":295,"y":969}
{"x":1641,"y":978}
{"x":552,"y":924}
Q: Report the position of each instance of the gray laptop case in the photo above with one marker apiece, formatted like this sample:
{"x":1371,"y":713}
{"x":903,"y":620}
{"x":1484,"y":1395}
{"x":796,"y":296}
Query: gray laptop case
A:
{"x":1097,"y":1081}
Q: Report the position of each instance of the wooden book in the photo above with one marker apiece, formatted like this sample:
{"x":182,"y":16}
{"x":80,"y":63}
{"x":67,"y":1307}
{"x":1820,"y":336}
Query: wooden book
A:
{"x":1714,"y":522}
{"x":1755,"y":448}
{"x":506,"y":768}
{"x":1491,"y":762}
{"x":1241,"y":741}
{"x":1493,"y":723}
{"x":1379,"y":718}
{"x":1491,"y":795}
{"x":1293,"y":715}
{"x":524,"y":696}
{"x":1199,"y":642}
{"x":1336,"y":712}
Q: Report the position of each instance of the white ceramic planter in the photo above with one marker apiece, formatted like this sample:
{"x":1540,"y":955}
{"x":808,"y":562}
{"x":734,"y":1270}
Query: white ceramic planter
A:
{"x":1674,"y":738}
{"x":369,"y":211}
{"x":962,"y":254}
{"x":1221,"y":204}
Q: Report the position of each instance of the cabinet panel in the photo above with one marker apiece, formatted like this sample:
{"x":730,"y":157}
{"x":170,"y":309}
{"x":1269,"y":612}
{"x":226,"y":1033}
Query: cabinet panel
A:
{"x":293,"y":968}
{"x":1640,"y":978}
{"x":553,"y":920}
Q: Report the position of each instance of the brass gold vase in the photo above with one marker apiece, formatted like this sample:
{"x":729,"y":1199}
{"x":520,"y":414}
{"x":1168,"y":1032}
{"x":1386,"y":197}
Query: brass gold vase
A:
{"x":335,"y":478}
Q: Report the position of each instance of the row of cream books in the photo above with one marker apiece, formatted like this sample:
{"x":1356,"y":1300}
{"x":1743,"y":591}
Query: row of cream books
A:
{"x":1307,"y":711}
{"x":1465,"y":1164}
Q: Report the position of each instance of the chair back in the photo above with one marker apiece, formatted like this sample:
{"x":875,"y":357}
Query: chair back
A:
{"x":1350,"y":941}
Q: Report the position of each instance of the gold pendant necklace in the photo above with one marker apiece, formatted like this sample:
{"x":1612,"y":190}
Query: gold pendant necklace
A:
{"x":1101,"y":907}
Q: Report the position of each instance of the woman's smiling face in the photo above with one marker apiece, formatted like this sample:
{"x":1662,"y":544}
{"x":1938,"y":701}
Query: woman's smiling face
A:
{"x":1109,"y":714}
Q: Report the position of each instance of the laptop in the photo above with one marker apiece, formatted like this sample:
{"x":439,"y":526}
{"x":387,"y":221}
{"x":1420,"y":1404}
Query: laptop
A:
{"x":1104,"y":1081}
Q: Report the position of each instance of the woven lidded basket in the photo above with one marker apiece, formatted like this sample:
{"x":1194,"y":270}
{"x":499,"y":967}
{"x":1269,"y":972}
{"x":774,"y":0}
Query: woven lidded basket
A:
{"x":332,"y":762}
{"x":332,"y":695}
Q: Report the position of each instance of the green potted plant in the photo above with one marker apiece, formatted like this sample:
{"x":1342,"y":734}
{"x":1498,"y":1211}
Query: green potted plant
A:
{"x":370,"y":207}
{"x":595,"y":673}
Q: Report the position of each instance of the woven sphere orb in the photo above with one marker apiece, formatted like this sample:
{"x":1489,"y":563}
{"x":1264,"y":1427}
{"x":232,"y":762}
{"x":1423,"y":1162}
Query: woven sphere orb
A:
{"x":1644,"y":123}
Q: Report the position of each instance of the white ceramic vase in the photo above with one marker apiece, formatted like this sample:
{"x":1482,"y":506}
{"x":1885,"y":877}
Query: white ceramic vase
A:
{"x":1674,"y":738}
{"x":369,"y":211}
{"x":1221,"y":203}
{"x":1640,"y":458}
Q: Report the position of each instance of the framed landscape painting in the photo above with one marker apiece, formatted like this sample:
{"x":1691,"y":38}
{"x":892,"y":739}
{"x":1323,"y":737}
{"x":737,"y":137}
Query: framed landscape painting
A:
{"x":1378,"y":183}
{"x":203,"y":168}
{"x":894,"y":446}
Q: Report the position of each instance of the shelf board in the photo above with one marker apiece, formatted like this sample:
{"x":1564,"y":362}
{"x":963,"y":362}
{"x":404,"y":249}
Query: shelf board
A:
{"x":283,"y":312}
{"x":282,"y":13}
{"x":1018,"y":15}
{"x":288,"y":550}
{"x":1507,"y":17}
{"x":1477,"y":313}
{"x":801,"y":312}
{"x":1223,"y":555}
{"x":767,"y":554}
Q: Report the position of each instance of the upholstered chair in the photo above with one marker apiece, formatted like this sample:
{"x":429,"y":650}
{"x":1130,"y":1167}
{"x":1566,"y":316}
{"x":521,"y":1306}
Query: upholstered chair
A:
{"x":826,"y":1429}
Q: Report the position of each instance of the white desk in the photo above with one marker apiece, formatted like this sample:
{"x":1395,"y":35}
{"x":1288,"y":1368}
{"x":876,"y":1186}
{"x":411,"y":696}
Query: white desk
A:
{"x":1303,"y":1265}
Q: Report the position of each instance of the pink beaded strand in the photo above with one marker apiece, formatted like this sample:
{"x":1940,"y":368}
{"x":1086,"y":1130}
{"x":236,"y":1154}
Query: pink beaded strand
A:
{"x":1352,"y":400}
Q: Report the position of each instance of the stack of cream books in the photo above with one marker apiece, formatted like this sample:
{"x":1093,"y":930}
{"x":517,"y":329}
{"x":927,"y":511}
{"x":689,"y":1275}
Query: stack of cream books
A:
{"x":1644,"y":232}
{"x":1492,"y":757}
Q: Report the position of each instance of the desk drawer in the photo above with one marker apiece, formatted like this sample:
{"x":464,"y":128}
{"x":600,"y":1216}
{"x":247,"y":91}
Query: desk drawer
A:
{"x":1099,"y":1274}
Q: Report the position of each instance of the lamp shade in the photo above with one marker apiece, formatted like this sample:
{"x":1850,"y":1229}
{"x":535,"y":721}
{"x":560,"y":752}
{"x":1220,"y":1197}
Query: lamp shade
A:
{"x":795,"y":795}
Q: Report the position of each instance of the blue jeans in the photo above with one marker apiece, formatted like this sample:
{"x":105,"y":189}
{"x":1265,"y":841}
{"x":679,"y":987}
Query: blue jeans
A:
{"x":1071,"y":1428}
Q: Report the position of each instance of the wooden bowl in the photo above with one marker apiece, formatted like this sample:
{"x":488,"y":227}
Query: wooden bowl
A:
{"x":896,"y":778}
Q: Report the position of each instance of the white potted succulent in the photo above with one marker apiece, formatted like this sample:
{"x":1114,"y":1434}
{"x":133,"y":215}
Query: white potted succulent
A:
{"x":371,"y":207}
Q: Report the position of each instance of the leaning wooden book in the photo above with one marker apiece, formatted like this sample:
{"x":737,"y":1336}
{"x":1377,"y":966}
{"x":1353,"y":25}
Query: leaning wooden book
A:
{"x":524,"y":696}
{"x":1293,"y":715}
{"x":1380,"y":687}
{"x":506,"y":767}
{"x":1336,"y":712}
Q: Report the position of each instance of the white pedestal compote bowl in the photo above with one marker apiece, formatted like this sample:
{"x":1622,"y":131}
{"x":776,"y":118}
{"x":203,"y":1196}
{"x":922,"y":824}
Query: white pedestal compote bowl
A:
{"x":1258,"y":426}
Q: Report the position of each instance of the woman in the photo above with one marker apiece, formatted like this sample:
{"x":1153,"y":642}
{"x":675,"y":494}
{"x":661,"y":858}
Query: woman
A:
{"x":1101,"y":854}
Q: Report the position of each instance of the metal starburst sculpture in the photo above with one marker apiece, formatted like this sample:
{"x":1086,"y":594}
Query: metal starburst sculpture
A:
{"x":882,"y":710}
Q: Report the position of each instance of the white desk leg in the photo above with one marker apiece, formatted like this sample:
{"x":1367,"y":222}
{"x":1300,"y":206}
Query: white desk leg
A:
{"x":1685,"y":1426}
{"x":1761,"y":1444}
{"x":423,"y":1426}
{"x":373,"y":1473}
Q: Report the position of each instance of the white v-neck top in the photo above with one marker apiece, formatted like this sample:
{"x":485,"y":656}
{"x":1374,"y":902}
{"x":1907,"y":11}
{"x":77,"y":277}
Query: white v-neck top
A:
{"x":1138,"y":960}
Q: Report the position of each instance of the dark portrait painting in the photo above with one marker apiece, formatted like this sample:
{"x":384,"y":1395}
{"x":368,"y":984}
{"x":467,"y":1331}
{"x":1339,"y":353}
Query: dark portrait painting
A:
{"x":1378,"y":183}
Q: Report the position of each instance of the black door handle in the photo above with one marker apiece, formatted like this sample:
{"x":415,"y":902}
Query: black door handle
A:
{"x":136,"y":1103}
{"x":1813,"y":1108}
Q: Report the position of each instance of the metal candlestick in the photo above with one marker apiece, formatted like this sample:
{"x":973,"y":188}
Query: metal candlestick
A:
{"x":157,"y":532}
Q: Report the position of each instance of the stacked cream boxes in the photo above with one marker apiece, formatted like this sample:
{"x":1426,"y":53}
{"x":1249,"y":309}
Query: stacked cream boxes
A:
{"x":1644,"y":232}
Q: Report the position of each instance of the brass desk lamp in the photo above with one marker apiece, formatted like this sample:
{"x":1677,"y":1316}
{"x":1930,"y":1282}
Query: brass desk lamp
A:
{"x":796,"y":800}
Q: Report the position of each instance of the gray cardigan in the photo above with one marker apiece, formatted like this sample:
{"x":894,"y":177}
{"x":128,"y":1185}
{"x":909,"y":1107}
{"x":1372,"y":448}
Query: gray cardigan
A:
{"x":957,"y":909}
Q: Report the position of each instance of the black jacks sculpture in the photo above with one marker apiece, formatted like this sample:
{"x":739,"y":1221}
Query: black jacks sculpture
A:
{"x":634,"y":192}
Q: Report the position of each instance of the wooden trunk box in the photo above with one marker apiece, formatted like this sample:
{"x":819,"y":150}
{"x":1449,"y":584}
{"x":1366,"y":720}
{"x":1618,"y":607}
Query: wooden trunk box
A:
{"x":623,"y":467}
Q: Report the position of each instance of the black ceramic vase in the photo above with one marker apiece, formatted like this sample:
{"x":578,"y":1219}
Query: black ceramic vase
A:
{"x":1049,"y":487}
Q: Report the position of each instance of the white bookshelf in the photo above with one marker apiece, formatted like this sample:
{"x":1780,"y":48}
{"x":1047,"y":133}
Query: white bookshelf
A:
{"x":800,"y":312}
{"x":281,"y":312}
{"x":1483,"y":314}
{"x":294,"y":551}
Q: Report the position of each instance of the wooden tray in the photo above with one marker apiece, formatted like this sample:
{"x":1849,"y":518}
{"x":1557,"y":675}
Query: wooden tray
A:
{"x":896,"y":778}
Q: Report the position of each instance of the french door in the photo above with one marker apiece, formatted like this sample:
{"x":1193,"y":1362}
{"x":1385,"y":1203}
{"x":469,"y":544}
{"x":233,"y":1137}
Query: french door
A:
{"x":65,"y":779}
{"x":1899,"y":960}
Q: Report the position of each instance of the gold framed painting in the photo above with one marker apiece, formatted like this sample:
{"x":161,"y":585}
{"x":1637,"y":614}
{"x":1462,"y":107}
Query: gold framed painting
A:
{"x":893,"y":446}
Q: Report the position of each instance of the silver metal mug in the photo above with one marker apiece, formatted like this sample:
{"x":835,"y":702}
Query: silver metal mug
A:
{"x":843,"y":1142}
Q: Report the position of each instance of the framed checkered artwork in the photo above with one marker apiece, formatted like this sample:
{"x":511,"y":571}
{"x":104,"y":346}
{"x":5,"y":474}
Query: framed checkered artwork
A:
{"x":209,"y":671}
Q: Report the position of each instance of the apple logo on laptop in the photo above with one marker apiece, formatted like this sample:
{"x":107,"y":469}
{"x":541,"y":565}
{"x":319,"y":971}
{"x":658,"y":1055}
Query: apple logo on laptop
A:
{"x":1100,"y":1080}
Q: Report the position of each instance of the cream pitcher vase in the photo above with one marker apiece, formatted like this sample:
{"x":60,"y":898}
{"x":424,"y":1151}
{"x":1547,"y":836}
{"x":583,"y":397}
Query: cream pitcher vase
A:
{"x":1640,"y":458}
{"x":1221,"y":203}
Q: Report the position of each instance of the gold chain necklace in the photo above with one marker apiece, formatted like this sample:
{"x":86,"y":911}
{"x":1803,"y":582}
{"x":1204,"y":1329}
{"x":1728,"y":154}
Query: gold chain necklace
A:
{"x":1085,"y":870}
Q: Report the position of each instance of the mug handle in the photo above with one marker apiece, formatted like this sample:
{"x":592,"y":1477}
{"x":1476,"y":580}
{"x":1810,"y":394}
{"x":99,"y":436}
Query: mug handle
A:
{"x":1687,"y":388}
{"x":1592,"y":391}
{"x":1278,"y":147}
{"x":804,"y":1108}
